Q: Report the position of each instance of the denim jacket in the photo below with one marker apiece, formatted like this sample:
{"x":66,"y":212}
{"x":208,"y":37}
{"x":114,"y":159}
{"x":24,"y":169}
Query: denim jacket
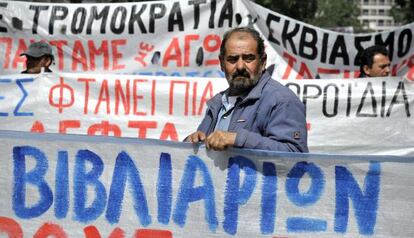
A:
{"x":270,"y":117}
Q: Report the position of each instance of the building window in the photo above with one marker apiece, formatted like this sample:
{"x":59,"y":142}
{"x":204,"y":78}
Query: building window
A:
{"x":381,"y":12}
{"x":381,"y":2}
{"x":380,"y":22}
{"x":365,"y":12}
{"x":366,"y":2}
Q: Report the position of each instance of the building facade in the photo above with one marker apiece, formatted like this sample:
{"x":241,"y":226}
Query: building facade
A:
{"x":375,"y":14}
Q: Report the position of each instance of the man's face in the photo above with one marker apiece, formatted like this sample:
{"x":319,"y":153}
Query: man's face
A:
{"x":241,"y":63}
{"x":380,"y":67}
{"x":34,"y":65}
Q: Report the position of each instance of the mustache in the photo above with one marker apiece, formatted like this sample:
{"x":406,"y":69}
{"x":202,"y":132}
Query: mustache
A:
{"x":241,"y":73}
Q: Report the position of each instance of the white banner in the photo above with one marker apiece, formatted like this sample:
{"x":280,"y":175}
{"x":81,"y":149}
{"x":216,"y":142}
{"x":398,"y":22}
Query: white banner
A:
{"x":367,"y":116}
{"x":305,"y":51}
{"x":182,"y":38}
{"x":78,"y":186}
{"x":179,"y":38}
{"x":118,"y":105}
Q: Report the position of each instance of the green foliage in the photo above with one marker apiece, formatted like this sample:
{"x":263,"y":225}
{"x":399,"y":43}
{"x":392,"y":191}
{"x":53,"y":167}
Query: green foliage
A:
{"x":338,"y":13}
{"x":403,"y":11}
{"x":302,"y":10}
{"x":322,"y":13}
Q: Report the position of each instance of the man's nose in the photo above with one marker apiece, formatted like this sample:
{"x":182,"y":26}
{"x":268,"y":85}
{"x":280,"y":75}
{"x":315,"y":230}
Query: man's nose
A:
{"x":387,"y":69}
{"x":240,"y":64}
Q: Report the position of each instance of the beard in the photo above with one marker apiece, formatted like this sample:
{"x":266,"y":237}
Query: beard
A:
{"x":241,"y":82}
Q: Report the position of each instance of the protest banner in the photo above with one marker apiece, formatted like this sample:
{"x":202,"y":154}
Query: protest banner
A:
{"x":89,"y":186}
{"x":309,"y":52}
{"x":154,"y":38}
{"x":117,"y":105}
{"x":135,"y":38}
{"x":366,"y":116}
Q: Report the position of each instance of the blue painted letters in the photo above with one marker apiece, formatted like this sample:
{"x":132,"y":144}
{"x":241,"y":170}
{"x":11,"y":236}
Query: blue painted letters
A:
{"x":269,"y":191}
{"x":164,"y":189}
{"x":188,"y":193}
{"x":236,"y":195}
{"x":19,"y":83}
{"x":300,"y":224}
{"x":34,"y":177}
{"x":125,"y":168}
{"x":365,"y":203}
{"x":62,"y":185}
{"x":82,"y":179}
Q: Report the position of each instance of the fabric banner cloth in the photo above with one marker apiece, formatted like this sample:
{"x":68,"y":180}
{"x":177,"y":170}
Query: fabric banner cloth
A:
{"x":366,"y":116}
{"x":182,"y":38}
{"x":90,"y":186}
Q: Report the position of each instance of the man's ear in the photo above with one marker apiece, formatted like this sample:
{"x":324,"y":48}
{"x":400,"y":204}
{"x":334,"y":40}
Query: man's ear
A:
{"x":221,"y":63}
{"x":366,"y":70}
{"x":264,"y":61}
{"x":47,"y":61}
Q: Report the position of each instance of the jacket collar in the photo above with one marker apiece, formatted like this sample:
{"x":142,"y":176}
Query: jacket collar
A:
{"x":256,"y":92}
{"x":215,"y":103}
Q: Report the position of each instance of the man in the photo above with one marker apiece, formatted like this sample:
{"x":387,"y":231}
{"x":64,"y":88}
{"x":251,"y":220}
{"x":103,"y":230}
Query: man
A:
{"x":38,"y":56}
{"x":375,"y":62}
{"x":255,"y":111}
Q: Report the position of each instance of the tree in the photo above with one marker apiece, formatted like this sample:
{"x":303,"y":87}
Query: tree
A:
{"x":403,"y":11}
{"x":338,"y":13}
{"x":322,"y":13}
{"x":301,"y":10}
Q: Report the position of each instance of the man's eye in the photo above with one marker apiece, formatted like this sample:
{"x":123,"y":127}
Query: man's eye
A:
{"x":232,"y":60}
{"x":249,"y":58}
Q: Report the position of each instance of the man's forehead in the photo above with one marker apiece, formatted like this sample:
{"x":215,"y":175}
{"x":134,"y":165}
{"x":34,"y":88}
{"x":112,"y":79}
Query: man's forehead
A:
{"x":380,"y":56}
{"x":233,"y":54}
{"x":234,"y":42}
{"x":240,"y":35}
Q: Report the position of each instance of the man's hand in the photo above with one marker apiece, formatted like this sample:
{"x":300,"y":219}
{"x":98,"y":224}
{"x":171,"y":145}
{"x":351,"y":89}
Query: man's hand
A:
{"x":220,"y":140}
{"x":196,"y":137}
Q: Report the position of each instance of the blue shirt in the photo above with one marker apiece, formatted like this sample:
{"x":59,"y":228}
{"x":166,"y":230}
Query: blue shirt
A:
{"x":226,"y":112}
